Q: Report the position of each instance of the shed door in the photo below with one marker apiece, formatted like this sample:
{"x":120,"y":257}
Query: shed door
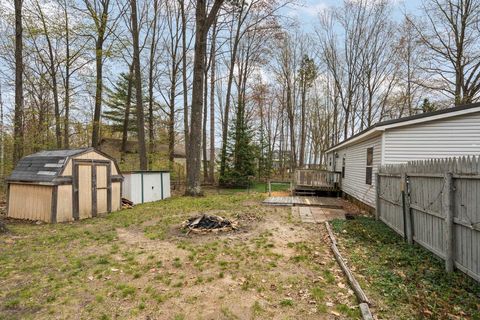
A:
{"x":152,"y":187}
{"x":92,"y":188}
{"x":102,"y":188}
{"x":85,"y":188}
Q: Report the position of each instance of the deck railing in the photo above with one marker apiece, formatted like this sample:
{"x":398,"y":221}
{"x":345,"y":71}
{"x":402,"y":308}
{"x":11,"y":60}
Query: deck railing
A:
{"x":313,"y":178}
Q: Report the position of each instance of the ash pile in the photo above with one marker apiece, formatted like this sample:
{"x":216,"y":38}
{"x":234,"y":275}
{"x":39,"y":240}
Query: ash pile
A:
{"x":208,"y":223}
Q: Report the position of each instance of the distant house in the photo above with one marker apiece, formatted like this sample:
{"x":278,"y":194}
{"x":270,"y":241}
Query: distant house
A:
{"x":446,"y":133}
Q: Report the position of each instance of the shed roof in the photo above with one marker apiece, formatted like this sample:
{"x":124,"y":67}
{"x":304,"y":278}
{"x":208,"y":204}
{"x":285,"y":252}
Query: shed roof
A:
{"x":43,"y":166}
{"x":405,"y":121}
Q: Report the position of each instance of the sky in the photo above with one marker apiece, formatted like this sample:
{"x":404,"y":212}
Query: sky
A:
{"x":307,"y":13}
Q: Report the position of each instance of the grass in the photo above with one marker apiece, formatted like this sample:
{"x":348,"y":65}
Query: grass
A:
{"x":136,"y":262}
{"x":404,"y":280}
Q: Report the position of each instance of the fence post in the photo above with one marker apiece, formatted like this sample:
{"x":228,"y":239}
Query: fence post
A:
{"x":377,"y":191}
{"x":406,"y":207}
{"x":447,"y":207}
{"x":269,"y":188}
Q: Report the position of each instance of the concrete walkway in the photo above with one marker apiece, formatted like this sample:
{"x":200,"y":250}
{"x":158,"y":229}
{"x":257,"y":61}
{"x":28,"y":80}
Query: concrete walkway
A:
{"x":324,"y":202}
{"x":317,"y":214}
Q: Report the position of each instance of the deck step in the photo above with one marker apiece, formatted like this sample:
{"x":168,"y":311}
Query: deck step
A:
{"x":304,"y":193}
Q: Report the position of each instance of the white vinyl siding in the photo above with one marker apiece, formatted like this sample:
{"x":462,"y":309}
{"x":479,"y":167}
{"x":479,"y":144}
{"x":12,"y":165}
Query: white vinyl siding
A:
{"x":450,"y":137}
{"x":355,"y":169}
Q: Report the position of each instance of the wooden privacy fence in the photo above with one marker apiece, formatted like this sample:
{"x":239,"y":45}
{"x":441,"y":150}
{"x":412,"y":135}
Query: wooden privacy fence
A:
{"x":435,"y":203}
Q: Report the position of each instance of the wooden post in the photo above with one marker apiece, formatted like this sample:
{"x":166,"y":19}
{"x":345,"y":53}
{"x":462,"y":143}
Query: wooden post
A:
{"x":447,"y":207}
{"x":408,"y":229}
{"x":402,"y":190}
{"x":377,"y":192}
{"x":269,"y":188}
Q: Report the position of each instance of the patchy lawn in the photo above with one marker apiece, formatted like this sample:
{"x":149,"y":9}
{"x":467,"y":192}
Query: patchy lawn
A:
{"x":137,"y":264}
{"x":403,"y":281}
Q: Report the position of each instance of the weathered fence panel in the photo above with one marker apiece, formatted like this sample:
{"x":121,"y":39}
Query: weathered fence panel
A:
{"x":435,"y":203}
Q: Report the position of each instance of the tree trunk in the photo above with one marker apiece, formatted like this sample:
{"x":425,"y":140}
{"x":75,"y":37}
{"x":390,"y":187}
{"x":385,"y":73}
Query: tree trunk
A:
{"x":66,"y":102}
{"x":98,"y":91}
{"x":184,"y":79}
{"x":291,"y":121}
{"x":212,"y":103}
{"x":303,"y":132}
{"x":142,"y":150}
{"x":171,"y":116}
{"x":204,"y":126}
{"x":193,"y":157}
{"x":233,"y":57}
{"x":2,"y":139}
{"x":203,"y":23}
{"x":128,"y":103}
{"x":18,"y":114}
{"x":153,"y":46}
{"x":54,"y":85}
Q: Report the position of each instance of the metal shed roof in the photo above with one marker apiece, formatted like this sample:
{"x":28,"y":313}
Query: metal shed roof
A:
{"x":43,"y":166}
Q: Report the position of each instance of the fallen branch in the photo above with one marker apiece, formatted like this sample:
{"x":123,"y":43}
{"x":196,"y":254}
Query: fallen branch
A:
{"x":366,"y":314}
{"x":361,"y":296}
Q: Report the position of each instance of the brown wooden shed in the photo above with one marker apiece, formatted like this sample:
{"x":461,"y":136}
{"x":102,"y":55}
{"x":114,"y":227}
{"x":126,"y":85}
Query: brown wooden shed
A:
{"x":64,"y":185}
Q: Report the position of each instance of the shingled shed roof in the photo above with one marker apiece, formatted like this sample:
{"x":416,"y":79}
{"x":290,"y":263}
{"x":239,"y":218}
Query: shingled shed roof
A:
{"x":43,"y":166}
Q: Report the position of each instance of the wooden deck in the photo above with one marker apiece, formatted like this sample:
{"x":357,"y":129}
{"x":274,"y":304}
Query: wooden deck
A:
{"x":316,"y":180}
{"x":324,"y":202}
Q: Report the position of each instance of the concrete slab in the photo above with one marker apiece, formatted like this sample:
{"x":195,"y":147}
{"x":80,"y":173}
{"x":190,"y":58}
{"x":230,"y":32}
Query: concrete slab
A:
{"x":316,"y":214}
{"x":325,"y":202}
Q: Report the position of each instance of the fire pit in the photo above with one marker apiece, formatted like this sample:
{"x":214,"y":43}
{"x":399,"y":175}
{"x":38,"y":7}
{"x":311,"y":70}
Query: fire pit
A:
{"x":208,"y":223}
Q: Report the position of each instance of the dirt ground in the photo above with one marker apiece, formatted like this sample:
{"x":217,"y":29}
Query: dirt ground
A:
{"x":138,"y":264}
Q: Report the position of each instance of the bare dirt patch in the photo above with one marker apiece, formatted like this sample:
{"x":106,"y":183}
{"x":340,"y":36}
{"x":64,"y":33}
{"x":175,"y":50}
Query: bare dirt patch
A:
{"x":138,"y":265}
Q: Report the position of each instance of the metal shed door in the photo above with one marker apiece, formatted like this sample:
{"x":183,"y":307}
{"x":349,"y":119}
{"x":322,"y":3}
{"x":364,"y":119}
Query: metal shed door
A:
{"x":152,"y":187}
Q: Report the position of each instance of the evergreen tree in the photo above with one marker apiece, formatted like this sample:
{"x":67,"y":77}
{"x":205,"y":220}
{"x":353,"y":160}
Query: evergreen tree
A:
{"x":241,"y":155}
{"x":116,"y":100}
{"x":427,"y":106}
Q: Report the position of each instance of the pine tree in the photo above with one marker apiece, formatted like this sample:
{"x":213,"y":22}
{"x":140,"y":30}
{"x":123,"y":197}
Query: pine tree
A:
{"x":241,"y":155}
{"x":427,"y":106}
{"x":115,"y":105}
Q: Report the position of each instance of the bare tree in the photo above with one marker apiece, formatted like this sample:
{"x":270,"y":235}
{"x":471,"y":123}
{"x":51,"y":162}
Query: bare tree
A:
{"x":18,"y":115}
{"x":307,"y":74}
{"x":142,"y":150}
{"x":52,"y":65}
{"x":451,"y":34}
{"x":100,"y":13}
{"x":203,"y":23}
{"x":152,"y":60}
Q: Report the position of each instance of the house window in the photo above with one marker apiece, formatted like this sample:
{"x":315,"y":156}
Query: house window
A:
{"x":369,"y":168}
{"x":343,"y":167}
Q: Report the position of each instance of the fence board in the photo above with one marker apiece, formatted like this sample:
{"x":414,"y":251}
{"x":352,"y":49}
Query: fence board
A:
{"x":430,"y":210}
